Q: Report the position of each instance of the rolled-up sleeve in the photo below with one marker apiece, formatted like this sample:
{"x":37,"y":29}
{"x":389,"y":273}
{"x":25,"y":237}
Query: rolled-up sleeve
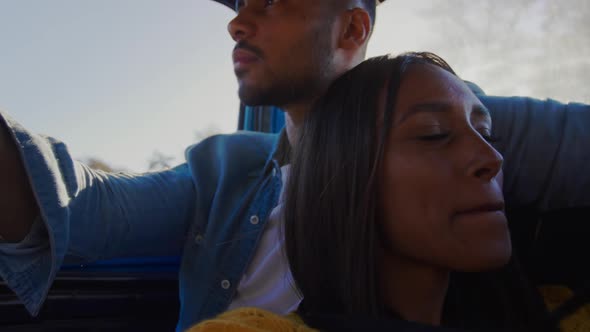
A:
{"x":87,"y":215}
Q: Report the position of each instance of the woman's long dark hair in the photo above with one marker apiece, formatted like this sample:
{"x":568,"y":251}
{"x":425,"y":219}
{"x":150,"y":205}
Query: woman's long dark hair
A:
{"x":331,"y":210}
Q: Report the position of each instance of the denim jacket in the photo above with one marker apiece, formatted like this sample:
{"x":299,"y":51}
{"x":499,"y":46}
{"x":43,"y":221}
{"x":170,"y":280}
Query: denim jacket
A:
{"x":212,"y":209}
{"x":203,"y":210}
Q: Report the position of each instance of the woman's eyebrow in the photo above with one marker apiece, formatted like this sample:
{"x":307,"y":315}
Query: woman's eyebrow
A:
{"x":441,"y":107}
{"x":429,"y":107}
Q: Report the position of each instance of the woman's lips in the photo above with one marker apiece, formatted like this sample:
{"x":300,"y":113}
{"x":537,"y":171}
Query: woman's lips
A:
{"x":483,"y":208}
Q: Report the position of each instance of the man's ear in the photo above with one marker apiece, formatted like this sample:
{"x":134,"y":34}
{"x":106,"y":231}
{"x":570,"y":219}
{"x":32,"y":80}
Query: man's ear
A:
{"x":356,"y":29}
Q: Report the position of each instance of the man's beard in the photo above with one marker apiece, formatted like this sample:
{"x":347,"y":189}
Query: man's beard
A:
{"x":292,"y":86}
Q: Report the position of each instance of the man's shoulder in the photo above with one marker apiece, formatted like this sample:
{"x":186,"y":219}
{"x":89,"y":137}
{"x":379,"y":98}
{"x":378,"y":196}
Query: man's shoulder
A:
{"x":244,"y":145}
{"x":239,"y":139}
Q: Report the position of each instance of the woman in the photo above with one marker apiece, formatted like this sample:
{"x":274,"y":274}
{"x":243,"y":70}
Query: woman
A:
{"x":394,"y":215}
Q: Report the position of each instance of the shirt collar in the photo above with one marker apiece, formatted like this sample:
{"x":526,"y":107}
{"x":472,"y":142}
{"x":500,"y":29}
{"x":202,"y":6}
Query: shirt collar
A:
{"x":280,"y":156}
{"x":282,"y":152}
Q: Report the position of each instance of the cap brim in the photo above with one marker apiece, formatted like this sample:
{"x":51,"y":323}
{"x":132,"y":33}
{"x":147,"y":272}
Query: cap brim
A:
{"x":231,"y":3}
{"x":228,"y":3}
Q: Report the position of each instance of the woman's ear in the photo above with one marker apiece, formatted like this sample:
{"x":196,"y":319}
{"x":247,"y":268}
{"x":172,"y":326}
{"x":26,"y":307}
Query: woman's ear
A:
{"x":356,"y":29}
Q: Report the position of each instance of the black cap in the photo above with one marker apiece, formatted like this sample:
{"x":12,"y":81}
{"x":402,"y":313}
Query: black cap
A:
{"x":232,"y":3}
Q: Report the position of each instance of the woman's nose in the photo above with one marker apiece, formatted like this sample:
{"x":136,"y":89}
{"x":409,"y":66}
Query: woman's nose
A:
{"x":486,"y":161}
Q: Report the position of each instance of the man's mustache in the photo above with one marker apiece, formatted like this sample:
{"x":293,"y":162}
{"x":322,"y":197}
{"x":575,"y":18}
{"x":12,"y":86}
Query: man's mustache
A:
{"x":247,"y":47}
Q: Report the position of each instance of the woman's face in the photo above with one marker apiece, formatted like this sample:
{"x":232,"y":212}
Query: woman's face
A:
{"x":441,"y":181}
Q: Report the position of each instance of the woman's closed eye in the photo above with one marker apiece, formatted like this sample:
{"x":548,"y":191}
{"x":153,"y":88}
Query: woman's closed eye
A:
{"x":434,"y":137}
{"x":488,"y":137}
{"x":431,"y":132}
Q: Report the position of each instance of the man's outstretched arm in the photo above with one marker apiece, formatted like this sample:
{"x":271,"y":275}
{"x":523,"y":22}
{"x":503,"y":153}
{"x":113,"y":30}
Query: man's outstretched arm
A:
{"x":18,"y":207}
{"x":66,"y":212}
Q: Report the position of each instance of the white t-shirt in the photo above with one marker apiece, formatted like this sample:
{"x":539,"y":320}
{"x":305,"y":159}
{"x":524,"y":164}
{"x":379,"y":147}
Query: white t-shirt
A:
{"x":268,"y":283}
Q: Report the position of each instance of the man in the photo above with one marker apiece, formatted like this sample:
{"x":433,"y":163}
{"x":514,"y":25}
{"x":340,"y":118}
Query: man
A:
{"x":219,"y":210}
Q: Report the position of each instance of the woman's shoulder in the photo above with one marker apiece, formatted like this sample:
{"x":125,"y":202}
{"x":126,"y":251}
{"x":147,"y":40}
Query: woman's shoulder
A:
{"x":252,"y":320}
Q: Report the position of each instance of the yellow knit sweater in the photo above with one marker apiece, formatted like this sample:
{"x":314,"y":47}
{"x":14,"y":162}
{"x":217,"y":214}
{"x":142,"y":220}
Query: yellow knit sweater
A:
{"x":578,"y":321}
{"x":258,"y":320}
{"x":252,"y":320}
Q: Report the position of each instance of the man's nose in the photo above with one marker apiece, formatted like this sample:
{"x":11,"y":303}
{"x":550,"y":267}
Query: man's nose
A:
{"x":242,"y":26}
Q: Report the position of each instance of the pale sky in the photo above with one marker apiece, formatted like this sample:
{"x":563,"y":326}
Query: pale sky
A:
{"x":120,"y":79}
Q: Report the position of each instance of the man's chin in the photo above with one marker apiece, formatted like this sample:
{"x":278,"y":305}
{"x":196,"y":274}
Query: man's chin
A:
{"x":269,"y":94}
{"x":248,"y":100}
{"x":253,"y":97}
